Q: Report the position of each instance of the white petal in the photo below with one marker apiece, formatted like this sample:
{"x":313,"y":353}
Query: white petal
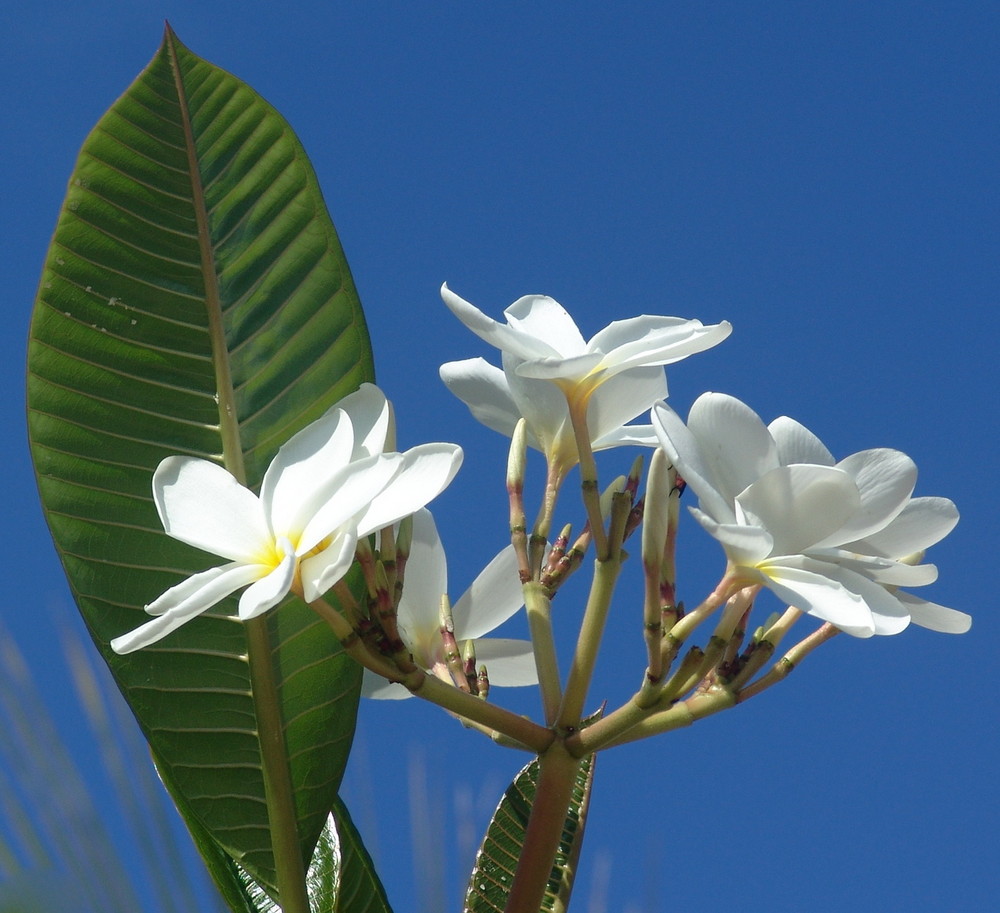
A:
{"x":496,"y":334}
{"x":797,"y":444}
{"x":622,"y":398}
{"x":304,"y":472}
{"x":685,"y":454}
{"x":425,"y":580}
{"x":885,"y":479}
{"x":348,"y":493}
{"x":922,"y":523}
{"x":736,"y":447}
{"x":888,"y":613}
{"x":152,"y":631}
{"x":882,"y":570}
{"x":645,"y":341}
{"x":495,"y":595}
{"x":321,"y":571}
{"x":509,"y":663}
{"x":381,"y":689}
{"x":745,"y":545}
{"x":544,"y":319}
{"x":627,"y":436}
{"x":191,"y":587}
{"x":203,"y":590}
{"x":483,"y":388}
{"x":267,"y":592}
{"x":427,"y":470}
{"x":935,"y":617}
{"x":202,"y":504}
{"x":800,"y":504}
{"x":370,"y":415}
{"x":574,"y":369}
{"x":820,"y":596}
{"x":187,"y":600}
{"x":545,"y":411}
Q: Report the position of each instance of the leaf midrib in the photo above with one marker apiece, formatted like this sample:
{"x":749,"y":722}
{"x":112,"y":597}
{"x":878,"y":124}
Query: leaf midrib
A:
{"x":279,"y":790}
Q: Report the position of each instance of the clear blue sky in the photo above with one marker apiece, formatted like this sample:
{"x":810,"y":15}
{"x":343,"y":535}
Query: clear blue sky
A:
{"x":823,"y":175}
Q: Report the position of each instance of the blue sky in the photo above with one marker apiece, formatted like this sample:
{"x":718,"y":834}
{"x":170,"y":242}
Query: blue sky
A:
{"x":822,"y":175}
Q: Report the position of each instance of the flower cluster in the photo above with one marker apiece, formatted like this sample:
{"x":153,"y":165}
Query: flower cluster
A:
{"x":834,"y":539}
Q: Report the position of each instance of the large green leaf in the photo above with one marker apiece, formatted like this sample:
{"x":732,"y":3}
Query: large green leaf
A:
{"x":498,"y":856}
{"x":195,"y":300}
{"x":341,"y":878}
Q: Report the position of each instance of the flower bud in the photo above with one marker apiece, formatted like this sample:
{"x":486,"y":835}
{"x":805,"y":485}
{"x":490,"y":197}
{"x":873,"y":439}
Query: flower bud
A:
{"x":656,"y":512}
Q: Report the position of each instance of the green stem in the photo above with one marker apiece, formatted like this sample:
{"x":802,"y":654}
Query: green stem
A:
{"x":519,"y":728}
{"x":553,"y":795}
{"x":588,"y":642}
{"x":610,"y":727}
{"x":681,"y":714}
{"x":588,"y":476}
{"x":784,"y":666}
{"x":543,"y":522}
{"x":278,"y":792}
{"x":425,"y":686}
{"x":539,"y":611}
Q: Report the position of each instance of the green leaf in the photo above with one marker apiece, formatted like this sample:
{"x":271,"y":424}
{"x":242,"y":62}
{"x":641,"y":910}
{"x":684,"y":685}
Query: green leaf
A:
{"x":341,"y":877}
{"x":240,"y":892}
{"x":497,"y":858}
{"x":195,"y":300}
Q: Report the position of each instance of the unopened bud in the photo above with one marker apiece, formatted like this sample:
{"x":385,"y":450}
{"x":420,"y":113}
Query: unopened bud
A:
{"x":452,"y":655}
{"x":363,"y":552}
{"x":404,"y":538}
{"x":607,"y":498}
{"x":517,"y":457}
{"x":656,"y":511}
{"x":445,"y":617}
{"x":772,"y":619}
{"x":635,"y":473}
{"x":469,"y":657}
{"x":390,"y":432}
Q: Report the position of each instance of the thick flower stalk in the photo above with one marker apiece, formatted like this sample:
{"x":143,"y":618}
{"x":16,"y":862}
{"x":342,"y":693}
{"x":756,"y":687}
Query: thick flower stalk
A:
{"x":327,"y":486}
{"x":834,"y":539}
{"x":494,"y":596}
{"x":550,"y":370}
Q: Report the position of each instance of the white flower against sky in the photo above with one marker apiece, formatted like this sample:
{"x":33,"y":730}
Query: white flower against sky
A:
{"x":901,"y":543}
{"x":494,"y":597}
{"x":827,"y":537}
{"x":328,"y":485}
{"x":548,"y":365}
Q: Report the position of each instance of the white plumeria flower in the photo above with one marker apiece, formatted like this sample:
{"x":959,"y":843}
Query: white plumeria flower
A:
{"x":812,"y":530}
{"x":884,"y":554}
{"x":548,"y":366}
{"x":494,"y":596}
{"x":327,"y":486}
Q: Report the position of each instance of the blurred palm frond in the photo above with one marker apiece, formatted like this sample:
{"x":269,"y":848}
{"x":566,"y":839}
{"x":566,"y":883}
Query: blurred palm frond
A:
{"x":63,"y":847}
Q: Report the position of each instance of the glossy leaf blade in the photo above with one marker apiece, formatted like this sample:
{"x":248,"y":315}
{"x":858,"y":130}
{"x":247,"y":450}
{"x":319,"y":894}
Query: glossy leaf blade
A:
{"x":195,"y":300}
{"x":341,"y":878}
{"x":498,"y":855}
